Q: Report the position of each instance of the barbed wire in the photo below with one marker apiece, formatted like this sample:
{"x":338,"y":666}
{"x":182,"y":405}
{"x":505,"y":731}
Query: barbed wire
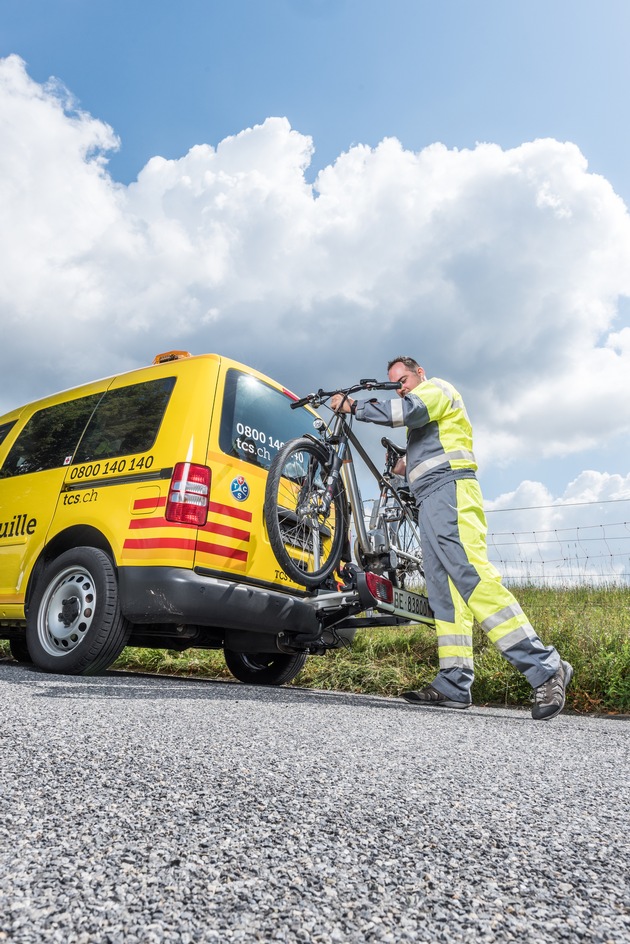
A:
{"x":568,"y":556}
{"x":559,"y":505}
{"x":591,"y":554}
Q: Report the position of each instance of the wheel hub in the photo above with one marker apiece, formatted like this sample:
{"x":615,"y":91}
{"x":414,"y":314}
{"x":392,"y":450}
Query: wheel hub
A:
{"x":67,"y":611}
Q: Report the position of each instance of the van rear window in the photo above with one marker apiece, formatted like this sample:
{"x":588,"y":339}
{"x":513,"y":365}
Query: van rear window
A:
{"x":257,"y":419}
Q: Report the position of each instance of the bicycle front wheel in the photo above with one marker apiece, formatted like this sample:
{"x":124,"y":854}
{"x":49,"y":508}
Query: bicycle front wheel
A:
{"x":306,"y":531}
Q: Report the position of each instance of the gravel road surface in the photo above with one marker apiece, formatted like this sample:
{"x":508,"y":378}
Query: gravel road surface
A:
{"x":144,"y":809}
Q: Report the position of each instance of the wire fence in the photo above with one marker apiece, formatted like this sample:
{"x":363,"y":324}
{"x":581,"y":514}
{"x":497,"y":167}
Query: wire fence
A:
{"x":568,"y":544}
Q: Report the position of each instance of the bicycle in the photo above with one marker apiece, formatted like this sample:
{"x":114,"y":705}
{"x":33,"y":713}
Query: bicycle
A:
{"x":312,"y":496}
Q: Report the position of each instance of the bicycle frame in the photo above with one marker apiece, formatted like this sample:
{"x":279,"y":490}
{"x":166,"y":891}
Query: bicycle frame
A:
{"x":309,"y":516}
{"x":312,"y":498}
{"x":342,"y":463}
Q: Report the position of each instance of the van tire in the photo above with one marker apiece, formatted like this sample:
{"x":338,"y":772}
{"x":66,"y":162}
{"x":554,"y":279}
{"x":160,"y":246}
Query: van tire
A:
{"x":264,"y":668}
{"x":19,"y":650}
{"x":74,"y":625}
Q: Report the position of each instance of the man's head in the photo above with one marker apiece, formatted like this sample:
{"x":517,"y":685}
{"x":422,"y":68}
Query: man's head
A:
{"x":407,"y":371}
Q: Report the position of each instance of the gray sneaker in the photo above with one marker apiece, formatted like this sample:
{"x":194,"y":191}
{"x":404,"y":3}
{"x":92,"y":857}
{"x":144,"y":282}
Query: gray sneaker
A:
{"x":549,"y":697}
{"x":430,"y":696}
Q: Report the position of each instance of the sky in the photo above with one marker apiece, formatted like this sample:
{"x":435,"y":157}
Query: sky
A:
{"x":313,"y":186}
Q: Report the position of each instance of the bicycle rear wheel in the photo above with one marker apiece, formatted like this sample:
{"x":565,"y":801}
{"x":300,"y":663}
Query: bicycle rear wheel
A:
{"x":405,"y":538}
{"x":398,"y":516}
{"x":306,"y":537}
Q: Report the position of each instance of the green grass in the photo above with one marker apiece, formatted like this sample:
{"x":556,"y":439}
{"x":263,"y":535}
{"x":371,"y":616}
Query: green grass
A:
{"x":589,"y":626}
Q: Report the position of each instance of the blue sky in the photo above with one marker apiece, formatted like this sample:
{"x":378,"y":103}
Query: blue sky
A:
{"x":169,"y":75}
{"x":347,"y":178}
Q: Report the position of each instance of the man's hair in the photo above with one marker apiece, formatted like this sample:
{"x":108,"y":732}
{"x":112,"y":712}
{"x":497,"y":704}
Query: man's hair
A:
{"x":407,"y":361}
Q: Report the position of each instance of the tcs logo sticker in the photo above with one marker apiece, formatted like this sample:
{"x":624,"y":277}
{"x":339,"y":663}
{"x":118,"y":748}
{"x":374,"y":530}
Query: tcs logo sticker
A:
{"x":239,"y":488}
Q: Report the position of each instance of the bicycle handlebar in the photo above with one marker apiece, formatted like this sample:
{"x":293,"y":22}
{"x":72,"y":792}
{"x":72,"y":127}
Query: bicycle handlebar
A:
{"x":321,"y":395}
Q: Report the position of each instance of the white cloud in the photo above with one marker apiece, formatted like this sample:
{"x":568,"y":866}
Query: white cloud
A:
{"x":501,"y":270}
{"x":583,"y":533}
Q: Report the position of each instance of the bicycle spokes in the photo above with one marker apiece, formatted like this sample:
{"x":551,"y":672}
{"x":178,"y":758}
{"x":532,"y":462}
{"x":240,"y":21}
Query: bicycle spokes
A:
{"x":305,"y":524}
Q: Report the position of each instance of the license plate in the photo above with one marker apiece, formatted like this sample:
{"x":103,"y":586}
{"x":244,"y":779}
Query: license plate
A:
{"x":414,"y":606}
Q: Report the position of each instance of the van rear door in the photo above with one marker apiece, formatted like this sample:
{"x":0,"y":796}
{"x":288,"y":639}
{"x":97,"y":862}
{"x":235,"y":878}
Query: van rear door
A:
{"x":251,"y":422}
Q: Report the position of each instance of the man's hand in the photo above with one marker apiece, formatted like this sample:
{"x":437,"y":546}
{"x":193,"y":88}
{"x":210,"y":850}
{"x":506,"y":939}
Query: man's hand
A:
{"x":341,"y":404}
{"x":401,"y":467}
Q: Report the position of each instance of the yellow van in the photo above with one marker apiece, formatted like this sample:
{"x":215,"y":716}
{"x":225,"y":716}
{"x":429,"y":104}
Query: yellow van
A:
{"x":131,"y":513}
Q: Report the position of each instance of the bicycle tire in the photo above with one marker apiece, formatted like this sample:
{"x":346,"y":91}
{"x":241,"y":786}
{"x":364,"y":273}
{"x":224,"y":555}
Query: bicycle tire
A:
{"x":405,"y":539}
{"x":292,"y":505}
{"x":399,"y":518}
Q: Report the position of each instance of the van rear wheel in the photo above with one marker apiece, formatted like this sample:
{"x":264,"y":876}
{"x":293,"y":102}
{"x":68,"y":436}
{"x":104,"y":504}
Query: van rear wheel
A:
{"x":264,"y":668}
{"x":74,"y":625}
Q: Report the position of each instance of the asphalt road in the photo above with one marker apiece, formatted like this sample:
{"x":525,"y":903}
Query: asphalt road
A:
{"x":136,"y":808}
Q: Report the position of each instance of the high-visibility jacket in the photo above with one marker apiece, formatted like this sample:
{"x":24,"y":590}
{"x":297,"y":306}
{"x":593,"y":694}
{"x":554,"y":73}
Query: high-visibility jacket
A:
{"x":439,"y":438}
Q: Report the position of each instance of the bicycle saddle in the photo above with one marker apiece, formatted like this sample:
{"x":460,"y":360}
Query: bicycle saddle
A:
{"x":399,"y":450}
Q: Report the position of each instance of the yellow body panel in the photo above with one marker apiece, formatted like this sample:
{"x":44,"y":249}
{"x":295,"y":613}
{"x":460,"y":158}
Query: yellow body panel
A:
{"x":124,"y":498}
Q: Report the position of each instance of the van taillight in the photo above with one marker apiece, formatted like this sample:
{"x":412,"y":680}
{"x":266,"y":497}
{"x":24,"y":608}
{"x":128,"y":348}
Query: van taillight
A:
{"x":189,"y":494}
{"x":381,"y":588}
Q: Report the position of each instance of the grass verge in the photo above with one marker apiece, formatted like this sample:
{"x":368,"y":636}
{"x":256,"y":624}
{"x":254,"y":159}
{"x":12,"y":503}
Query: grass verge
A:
{"x":589,"y":626}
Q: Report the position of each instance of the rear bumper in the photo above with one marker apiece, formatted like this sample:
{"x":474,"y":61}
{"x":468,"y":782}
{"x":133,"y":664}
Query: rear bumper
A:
{"x":176,"y":595}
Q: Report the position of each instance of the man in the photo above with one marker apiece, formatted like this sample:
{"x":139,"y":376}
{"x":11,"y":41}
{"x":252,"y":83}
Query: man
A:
{"x":462,"y":585}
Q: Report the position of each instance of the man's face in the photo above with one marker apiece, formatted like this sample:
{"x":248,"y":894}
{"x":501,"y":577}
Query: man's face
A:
{"x":408,"y":377}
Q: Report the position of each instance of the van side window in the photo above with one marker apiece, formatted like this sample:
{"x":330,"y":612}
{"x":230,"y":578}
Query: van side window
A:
{"x":6,"y":428}
{"x":126,"y":421}
{"x":50,"y":437}
{"x":257,"y":420}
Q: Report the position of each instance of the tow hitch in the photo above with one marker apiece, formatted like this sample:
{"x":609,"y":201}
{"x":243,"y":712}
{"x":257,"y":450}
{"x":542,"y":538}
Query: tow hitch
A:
{"x":339,"y":612}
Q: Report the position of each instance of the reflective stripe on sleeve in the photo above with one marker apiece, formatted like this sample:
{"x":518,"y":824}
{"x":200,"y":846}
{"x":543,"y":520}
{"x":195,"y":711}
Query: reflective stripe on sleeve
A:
{"x":398,"y":418}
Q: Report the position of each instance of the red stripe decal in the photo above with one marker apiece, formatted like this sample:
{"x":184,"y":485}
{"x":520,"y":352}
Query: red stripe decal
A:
{"x":226,"y":531}
{"x":212,"y":527}
{"x":230,"y":512}
{"x":144,"y":544}
{"x":141,"y":503}
{"x":221,"y":551}
{"x":215,"y":507}
{"x":141,"y":523}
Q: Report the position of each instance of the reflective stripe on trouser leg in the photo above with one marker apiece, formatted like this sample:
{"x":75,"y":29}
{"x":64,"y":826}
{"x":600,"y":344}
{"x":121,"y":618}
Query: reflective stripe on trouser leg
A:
{"x":453,"y":624}
{"x":455,"y":650}
{"x":462,"y":547}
